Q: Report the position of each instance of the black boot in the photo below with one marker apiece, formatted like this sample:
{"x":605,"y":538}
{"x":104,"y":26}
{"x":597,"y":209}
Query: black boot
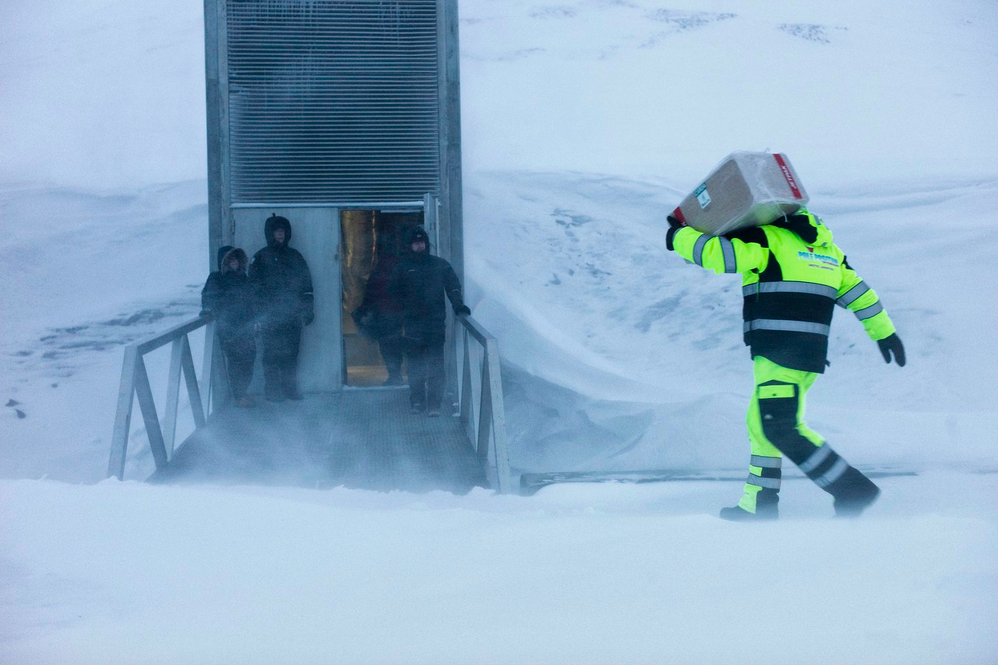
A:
{"x":767,"y":507}
{"x":853,"y":493}
{"x":739,"y":514}
{"x":289,"y":381}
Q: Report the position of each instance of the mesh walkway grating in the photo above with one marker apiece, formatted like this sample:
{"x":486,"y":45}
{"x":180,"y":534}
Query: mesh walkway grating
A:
{"x":363,"y":439}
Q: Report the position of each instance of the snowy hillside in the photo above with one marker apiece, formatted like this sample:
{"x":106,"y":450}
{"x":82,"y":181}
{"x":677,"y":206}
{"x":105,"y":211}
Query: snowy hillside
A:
{"x":584,"y":122}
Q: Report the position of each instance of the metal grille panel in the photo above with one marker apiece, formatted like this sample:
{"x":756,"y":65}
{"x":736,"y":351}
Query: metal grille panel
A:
{"x":332,"y":100}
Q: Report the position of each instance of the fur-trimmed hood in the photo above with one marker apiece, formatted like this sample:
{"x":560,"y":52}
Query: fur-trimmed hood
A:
{"x":227,"y":253}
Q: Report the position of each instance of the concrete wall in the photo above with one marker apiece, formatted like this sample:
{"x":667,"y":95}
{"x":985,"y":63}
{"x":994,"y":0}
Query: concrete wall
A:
{"x":316,"y":230}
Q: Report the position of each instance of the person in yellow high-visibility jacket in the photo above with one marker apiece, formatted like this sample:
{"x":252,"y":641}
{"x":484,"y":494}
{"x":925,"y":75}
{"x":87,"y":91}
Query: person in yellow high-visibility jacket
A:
{"x":793,"y":275}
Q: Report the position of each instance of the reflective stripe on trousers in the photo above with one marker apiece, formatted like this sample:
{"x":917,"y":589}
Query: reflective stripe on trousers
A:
{"x":833,"y":474}
{"x":767,"y":483}
{"x":766,"y":462}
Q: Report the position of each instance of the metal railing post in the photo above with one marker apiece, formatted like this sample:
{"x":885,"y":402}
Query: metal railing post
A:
{"x":135,"y":385}
{"x":467,"y":416}
{"x":172,"y":395}
{"x":123,"y":415}
{"x":490,"y":423}
{"x":148,"y":407}
{"x":207,"y":364}
{"x":484,"y":418}
{"x":498,"y":420}
{"x":220,"y":394}
{"x":193,"y":392}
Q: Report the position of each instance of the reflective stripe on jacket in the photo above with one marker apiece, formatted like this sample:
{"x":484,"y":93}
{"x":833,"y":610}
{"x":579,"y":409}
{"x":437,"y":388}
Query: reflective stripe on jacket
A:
{"x":790,"y":285}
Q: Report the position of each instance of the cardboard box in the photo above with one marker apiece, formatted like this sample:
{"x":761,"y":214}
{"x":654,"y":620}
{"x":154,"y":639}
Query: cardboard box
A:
{"x":746,"y":189}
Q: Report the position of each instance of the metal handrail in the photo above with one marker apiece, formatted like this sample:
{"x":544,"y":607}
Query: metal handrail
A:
{"x":482,"y":413}
{"x":487,"y":423}
{"x":135,"y":383}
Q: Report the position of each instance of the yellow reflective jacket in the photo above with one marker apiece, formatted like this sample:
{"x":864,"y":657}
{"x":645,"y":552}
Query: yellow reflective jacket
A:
{"x":792,"y":277}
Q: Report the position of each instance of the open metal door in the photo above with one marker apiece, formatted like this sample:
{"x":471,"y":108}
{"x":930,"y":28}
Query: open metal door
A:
{"x":431,"y":220}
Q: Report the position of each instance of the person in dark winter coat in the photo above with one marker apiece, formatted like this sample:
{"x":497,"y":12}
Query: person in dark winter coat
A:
{"x":381,"y":314}
{"x":228,"y":296}
{"x":419,"y":282}
{"x":284,"y":301}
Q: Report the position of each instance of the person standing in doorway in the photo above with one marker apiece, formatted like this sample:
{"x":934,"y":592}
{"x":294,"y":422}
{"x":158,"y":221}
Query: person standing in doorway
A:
{"x":419,"y":283}
{"x":385,"y":314}
{"x":228,"y":297}
{"x":283,"y":289}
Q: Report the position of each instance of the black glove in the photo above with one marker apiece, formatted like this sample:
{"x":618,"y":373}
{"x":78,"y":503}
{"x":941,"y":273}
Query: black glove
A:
{"x":462,"y":310}
{"x":362,"y":316}
{"x":205,"y":311}
{"x":674,"y":225}
{"x":889,"y":344}
{"x":308,"y":316}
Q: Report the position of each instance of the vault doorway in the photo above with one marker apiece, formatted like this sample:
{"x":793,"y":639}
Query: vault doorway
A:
{"x":372,"y":243}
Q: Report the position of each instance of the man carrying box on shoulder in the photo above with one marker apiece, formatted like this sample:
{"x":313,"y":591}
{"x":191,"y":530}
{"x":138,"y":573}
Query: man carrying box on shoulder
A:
{"x":792,"y":277}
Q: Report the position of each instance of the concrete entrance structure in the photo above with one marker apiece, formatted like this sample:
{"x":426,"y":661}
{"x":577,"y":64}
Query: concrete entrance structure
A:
{"x":342,"y":116}
{"x":315,"y":107}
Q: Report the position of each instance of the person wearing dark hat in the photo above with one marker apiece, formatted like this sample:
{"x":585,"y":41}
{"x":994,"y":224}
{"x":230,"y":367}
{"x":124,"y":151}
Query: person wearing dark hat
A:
{"x":228,"y":297}
{"x":284,"y":301}
{"x":419,"y":282}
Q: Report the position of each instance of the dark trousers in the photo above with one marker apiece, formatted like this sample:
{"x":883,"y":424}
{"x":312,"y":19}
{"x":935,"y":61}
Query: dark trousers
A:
{"x":281,"y":342}
{"x":240,"y":354}
{"x":425,"y":362}
{"x":391,"y":348}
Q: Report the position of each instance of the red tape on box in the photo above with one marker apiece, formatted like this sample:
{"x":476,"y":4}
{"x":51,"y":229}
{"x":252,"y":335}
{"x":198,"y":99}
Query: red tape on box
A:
{"x":788,"y":175}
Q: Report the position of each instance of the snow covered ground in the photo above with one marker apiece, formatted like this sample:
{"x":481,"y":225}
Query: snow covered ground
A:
{"x":129,"y":573}
{"x":584,"y":122}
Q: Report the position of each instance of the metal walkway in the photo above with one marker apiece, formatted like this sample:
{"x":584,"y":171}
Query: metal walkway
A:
{"x":364,"y":439}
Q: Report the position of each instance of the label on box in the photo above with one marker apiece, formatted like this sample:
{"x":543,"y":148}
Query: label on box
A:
{"x":788,"y":176}
{"x":702,"y":196}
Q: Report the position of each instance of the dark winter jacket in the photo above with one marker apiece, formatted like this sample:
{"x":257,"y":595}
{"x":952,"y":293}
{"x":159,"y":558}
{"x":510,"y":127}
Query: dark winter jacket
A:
{"x":419,"y":283}
{"x":228,"y":296}
{"x":376,"y":294}
{"x":380,"y":313}
{"x":281,"y":280}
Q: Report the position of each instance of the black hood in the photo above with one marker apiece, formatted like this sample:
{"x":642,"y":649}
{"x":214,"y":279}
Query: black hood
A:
{"x":799,"y":225}
{"x":414,"y":234}
{"x":275,"y":222}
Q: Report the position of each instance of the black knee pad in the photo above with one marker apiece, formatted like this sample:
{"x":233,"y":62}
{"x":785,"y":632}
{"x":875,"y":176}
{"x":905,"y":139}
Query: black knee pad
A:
{"x":778,"y":403}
